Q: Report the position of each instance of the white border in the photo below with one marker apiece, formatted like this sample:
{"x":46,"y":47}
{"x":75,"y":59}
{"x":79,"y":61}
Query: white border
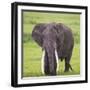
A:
{"x":46,"y":79}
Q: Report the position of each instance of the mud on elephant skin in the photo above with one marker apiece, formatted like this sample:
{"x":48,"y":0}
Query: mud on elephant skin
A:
{"x":57,"y":42}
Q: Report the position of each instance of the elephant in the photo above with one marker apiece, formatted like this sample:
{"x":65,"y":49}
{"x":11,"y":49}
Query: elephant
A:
{"x":57,"y":42}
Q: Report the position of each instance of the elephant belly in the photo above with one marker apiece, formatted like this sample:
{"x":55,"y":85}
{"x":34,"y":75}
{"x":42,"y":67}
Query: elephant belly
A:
{"x":62,"y":54}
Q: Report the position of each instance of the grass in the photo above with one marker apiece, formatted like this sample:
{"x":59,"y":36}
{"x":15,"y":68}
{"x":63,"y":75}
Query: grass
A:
{"x":32,"y":52}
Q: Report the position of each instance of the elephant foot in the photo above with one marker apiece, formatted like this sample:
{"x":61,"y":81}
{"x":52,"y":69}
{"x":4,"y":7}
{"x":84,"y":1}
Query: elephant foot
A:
{"x":47,"y":72}
{"x":50,"y":73}
{"x":53,"y":74}
{"x":66,"y":70}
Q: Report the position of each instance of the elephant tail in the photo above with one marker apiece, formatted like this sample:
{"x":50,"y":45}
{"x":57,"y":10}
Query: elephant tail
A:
{"x":70,"y":67}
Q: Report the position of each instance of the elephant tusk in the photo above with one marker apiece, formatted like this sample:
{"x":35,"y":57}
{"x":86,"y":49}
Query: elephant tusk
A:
{"x":42,"y":61}
{"x":56,"y":55}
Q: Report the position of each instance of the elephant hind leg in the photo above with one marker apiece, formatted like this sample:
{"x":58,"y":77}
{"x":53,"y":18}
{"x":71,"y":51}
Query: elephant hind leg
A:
{"x":67,"y":64}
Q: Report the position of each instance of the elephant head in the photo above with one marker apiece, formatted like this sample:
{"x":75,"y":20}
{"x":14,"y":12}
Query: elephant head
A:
{"x":50,"y":36}
{"x":46,"y":36}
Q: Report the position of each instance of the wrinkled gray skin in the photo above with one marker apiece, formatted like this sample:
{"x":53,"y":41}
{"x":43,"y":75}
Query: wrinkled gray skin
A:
{"x":51,"y":36}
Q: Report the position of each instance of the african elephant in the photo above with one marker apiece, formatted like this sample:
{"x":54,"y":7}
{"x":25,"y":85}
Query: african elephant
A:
{"x":57,"y":42}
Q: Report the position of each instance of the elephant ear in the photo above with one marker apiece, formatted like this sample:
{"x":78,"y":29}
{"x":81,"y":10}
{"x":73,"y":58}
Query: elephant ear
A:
{"x":37,"y":33}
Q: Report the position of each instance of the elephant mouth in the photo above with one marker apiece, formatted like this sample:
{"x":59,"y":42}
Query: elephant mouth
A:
{"x":43,"y":62}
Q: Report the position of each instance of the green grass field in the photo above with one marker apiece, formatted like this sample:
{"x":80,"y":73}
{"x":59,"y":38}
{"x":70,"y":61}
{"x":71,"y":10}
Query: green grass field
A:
{"x":32,"y":52}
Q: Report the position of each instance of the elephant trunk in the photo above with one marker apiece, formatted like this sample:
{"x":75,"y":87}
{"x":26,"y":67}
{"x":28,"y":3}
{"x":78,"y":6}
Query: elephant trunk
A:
{"x":49,"y":61}
{"x":52,"y":62}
